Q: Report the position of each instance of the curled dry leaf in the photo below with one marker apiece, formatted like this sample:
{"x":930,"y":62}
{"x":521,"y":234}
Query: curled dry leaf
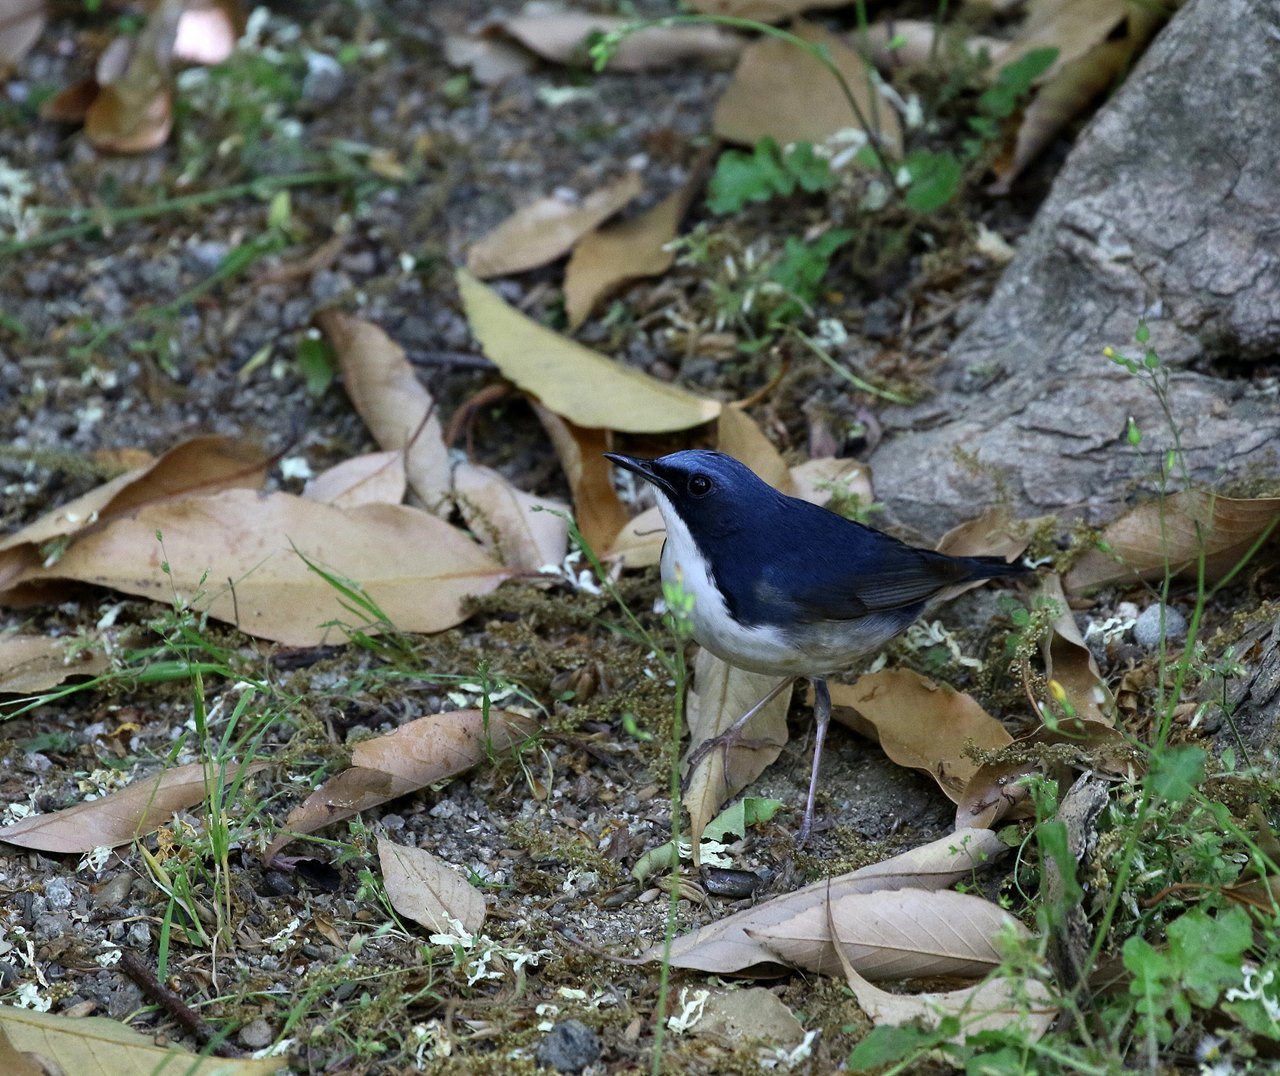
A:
{"x":21,"y":23}
{"x":639,"y":543}
{"x":606,"y":260}
{"x":427,"y":890}
{"x":525,"y":532}
{"x":731,"y":946}
{"x":374,"y":478}
{"x":123,"y":816}
{"x":31,"y":663}
{"x":719,"y":696}
{"x":596,"y":508}
{"x":575,"y":382}
{"x":398,"y":410}
{"x":560,"y":36}
{"x":780,"y":91}
{"x":133,"y":112}
{"x":541,"y":232}
{"x":239,"y":555}
{"x":420,"y":753}
{"x":919,"y":723}
{"x":1151,"y":537}
{"x":995,"y":791}
{"x":96,"y":1044}
{"x":1069,"y":662}
{"x":901,"y":934}
{"x":202,"y":465}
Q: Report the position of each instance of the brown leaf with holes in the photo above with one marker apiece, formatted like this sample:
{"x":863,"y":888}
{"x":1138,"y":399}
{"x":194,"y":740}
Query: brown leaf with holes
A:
{"x":1173,"y":533}
{"x":117,"y":818}
{"x":919,"y":723}
{"x":544,"y":230}
{"x":733,"y":944}
{"x":417,"y":754}
{"x":780,"y":91}
{"x":394,"y":404}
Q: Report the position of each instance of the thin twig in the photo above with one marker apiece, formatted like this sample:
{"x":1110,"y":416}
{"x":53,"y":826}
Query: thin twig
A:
{"x":204,"y":1033}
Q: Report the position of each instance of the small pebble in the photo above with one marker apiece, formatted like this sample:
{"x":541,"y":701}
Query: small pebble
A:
{"x":256,"y":1034}
{"x":1146,"y":629}
{"x":731,"y":884}
{"x":570,"y":1046}
{"x":323,"y":83}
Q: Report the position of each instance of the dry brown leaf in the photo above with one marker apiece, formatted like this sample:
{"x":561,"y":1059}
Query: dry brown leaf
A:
{"x":813,"y":480}
{"x":1142,"y":543}
{"x":1073,"y":27}
{"x":750,"y":1014}
{"x":639,"y":543}
{"x":779,"y":91}
{"x":575,"y":382}
{"x":208,"y":30}
{"x":596,"y":508}
{"x":420,"y":753}
{"x":992,"y":1005}
{"x":763,"y":10}
{"x":71,"y":104}
{"x":917,"y":42}
{"x":919,"y":723}
{"x":541,"y":232}
{"x":992,"y":534}
{"x":133,"y":112}
{"x":427,"y":890}
{"x":31,"y":663}
{"x":719,"y":696}
{"x":728,"y":946}
{"x":95,"y":1044}
{"x":238,"y":556}
{"x":490,"y":61}
{"x":525,"y":532}
{"x":123,"y":816}
{"x":560,"y":36}
{"x":995,"y":790}
{"x":1069,"y":661}
{"x":737,"y":435}
{"x":21,"y":24}
{"x":202,"y":465}
{"x":394,"y":404}
{"x":606,"y":260}
{"x":901,"y":934}
{"x":374,"y":478}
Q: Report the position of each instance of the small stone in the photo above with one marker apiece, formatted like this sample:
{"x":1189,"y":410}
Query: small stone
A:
{"x":256,"y":1034}
{"x":323,"y":83}
{"x":1146,"y":629}
{"x":570,"y":1046}
{"x":57,"y":893}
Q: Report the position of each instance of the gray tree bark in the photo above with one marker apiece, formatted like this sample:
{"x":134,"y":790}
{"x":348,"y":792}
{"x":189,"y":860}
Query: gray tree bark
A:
{"x":1168,"y":210}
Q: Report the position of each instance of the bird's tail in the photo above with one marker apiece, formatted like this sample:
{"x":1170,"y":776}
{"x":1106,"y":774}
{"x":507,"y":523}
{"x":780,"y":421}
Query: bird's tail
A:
{"x":996,"y":567}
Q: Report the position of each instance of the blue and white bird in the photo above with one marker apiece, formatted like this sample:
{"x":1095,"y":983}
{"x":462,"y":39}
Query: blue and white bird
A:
{"x":784,"y":587}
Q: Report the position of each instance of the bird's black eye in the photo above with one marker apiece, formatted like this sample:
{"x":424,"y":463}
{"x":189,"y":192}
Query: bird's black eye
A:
{"x":699,"y":485}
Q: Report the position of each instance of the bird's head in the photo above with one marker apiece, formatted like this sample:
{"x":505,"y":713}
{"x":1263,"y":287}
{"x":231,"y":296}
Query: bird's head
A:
{"x":710,"y":492}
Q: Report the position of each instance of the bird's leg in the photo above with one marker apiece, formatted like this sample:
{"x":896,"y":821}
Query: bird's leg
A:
{"x":822,"y":714}
{"x":733,"y":734}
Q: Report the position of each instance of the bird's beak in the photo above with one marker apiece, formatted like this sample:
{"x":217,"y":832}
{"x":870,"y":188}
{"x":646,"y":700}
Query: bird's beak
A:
{"x":644,"y":468}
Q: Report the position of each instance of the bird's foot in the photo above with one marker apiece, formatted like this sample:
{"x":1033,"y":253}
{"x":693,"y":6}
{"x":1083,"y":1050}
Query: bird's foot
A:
{"x":730,"y":738}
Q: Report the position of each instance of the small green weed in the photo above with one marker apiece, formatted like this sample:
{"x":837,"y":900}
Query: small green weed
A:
{"x":767,"y":172}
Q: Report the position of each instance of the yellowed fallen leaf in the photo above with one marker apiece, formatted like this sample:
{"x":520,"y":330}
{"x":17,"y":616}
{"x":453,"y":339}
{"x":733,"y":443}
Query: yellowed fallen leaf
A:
{"x":394,"y":404}
{"x":596,"y":508}
{"x":31,"y":663}
{"x":95,"y":1044}
{"x":605,"y":260}
{"x":919,"y":723}
{"x":544,"y":230}
{"x":731,"y":944}
{"x":415,"y":755}
{"x":427,"y":890}
{"x":202,"y":465}
{"x":123,"y":816}
{"x":1069,"y":662}
{"x":1152,"y":536}
{"x":374,"y":478}
{"x":780,"y":91}
{"x":906,"y":933}
{"x":575,"y":382}
{"x":20,"y":27}
{"x":133,"y":112}
{"x":719,"y":696}
{"x":13,"y":1062}
{"x":737,"y":435}
{"x":524,"y":532}
{"x":238,"y":556}
{"x":560,"y":36}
